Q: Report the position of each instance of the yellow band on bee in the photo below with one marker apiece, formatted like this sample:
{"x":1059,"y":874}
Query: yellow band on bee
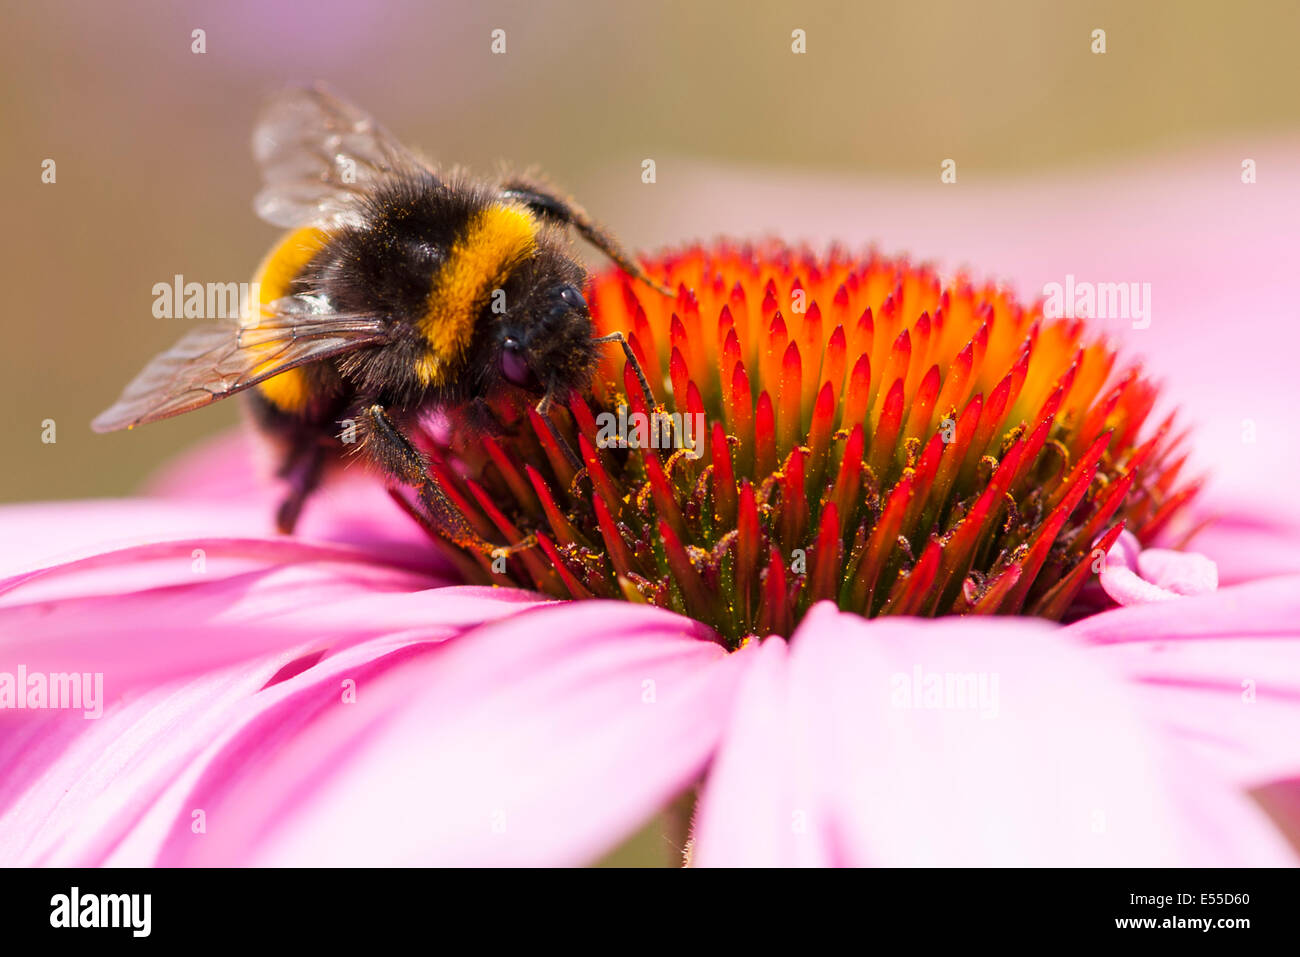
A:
{"x":496,"y":240}
{"x":287,"y":391}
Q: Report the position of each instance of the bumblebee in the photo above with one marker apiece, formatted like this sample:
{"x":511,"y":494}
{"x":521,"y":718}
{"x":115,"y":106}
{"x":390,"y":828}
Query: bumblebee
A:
{"x":396,"y":290}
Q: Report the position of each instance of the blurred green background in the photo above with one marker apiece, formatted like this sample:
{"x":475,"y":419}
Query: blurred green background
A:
{"x":154,"y":175}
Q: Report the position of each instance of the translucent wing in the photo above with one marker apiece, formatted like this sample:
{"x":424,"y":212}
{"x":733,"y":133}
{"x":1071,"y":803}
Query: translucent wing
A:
{"x":318,"y":154}
{"x":221,"y":359}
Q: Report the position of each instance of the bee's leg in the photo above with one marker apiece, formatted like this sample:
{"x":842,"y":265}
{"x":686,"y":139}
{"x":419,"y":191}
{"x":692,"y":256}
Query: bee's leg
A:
{"x":545,"y":202}
{"x":482,"y":418}
{"x":544,"y":410}
{"x":302,"y":469}
{"x":390,"y":449}
{"x":636,"y":366}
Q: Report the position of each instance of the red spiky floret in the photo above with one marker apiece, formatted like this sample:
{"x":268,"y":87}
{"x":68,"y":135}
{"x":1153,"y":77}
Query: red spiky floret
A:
{"x":871,"y":436}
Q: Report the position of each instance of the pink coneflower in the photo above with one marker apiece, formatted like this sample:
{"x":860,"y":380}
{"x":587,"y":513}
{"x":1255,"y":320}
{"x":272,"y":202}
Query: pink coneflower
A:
{"x":739,"y":619}
{"x":910,"y":449}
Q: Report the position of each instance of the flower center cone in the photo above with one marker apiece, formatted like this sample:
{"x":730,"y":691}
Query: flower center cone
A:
{"x":826,"y":427}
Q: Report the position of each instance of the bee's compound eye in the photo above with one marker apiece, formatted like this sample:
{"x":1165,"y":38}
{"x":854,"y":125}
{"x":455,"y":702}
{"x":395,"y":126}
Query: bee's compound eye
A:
{"x":572,"y":297}
{"x":513,"y":365}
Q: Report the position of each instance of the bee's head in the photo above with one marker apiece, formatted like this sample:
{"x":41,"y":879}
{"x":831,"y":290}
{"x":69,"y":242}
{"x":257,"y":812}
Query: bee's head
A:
{"x":546,"y":345}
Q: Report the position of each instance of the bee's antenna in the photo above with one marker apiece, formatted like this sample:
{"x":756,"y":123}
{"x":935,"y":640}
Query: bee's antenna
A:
{"x":636,"y":272}
{"x":544,"y":201}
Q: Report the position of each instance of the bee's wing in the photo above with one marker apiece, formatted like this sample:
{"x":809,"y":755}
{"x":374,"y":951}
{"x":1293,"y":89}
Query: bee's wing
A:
{"x":318,"y":154}
{"x":224,"y":358}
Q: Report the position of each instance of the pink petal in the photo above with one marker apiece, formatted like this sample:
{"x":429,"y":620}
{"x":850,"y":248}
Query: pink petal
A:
{"x":1054,"y":766}
{"x":763,"y":754}
{"x":1132,"y":575}
{"x":1219,"y":671}
{"x":50,"y":533}
{"x":108,"y":790}
{"x":34,"y":535}
{"x":144,"y":614}
{"x":109,"y":570}
{"x":81,"y":792}
{"x":1245,"y":541}
{"x":352,"y":504}
{"x":544,"y":738}
{"x":216,"y":492}
{"x":1266,"y":608}
{"x":1180,"y":573}
{"x":232,"y":466}
{"x":65,"y":774}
